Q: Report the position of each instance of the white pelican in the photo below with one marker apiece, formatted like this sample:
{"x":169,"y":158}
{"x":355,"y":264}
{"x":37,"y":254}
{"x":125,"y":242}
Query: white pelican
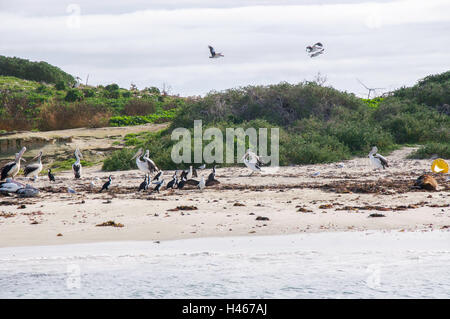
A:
{"x":34,"y":169}
{"x":146,"y":165}
{"x":377,"y":160}
{"x":10,"y":186}
{"x":12,"y":168}
{"x":214,"y":55}
{"x":76,"y":167}
{"x":252,"y":161}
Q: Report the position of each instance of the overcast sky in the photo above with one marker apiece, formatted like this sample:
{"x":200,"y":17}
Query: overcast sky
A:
{"x":385,"y":44}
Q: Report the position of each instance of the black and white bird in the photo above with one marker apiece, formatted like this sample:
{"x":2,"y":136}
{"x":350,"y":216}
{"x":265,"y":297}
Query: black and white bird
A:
{"x":315,"y":49}
{"x":214,"y":55}
{"x":10,"y":186}
{"x":145,"y":183}
{"x":377,"y":160}
{"x":158,"y":176}
{"x":76,"y":167}
{"x":12,"y":168}
{"x":33,"y":170}
{"x":145,"y":164}
{"x":173,"y":182}
{"x":252,"y":161}
{"x":158,"y":185}
{"x":51,"y":177}
{"x":182,"y":182}
{"x":212,"y":178}
{"x":192,"y":173}
{"x":107,"y":184}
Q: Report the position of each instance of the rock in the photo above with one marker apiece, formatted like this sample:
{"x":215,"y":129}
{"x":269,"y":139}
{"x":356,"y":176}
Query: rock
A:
{"x":262,"y":218}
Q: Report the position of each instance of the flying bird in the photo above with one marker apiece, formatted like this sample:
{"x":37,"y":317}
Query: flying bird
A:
{"x":214,"y":55}
{"x":315,"y":49}
{"x":377,"y":160}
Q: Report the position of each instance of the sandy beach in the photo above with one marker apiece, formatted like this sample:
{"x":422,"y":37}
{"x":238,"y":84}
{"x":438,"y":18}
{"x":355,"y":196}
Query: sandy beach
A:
{"x":294,"y":199}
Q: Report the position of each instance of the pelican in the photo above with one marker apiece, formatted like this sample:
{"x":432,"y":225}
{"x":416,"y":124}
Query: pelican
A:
{"x":12,"y":168}
{"x":107,"y":184}
{"x":10,"y":186}
{"x":214,"y":55}
{"x":76,"y":167}
{"x":192,"y":173}
{"x":252,"y":161}
{"x":146,"y":165}
{"x":377,"y":160}
{"x":34,"y":169}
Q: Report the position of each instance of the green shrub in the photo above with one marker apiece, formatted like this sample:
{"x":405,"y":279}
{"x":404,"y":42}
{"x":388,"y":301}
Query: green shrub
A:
{"x":60,"y":86}
{"x":430,"y":149}
{"x":120,"y":160}
{"x":73,"y":95}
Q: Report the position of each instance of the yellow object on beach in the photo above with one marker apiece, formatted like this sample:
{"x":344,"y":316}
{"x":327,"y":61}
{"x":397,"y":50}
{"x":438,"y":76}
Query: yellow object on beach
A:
{"x":439,"y":166}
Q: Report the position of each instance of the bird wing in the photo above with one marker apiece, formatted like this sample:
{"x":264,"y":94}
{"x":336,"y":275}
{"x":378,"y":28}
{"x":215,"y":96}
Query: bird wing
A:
{"x":318,"y":45}
{"x":30,"y":168}
{"x":6,"y":169}
{"x":211,"y":49}
{"x":382,"y":159}
{"x":192,"y":182}
{"x":151,"y":165}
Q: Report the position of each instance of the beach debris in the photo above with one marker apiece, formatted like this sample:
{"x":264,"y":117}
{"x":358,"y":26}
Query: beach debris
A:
{"x":59,"y":235}
{"x":326,"y":206}
{"x":184,"y":207}
{"x":7,"y":215}
{"x":262,"y":218}
{"x":34,"y":222}
{"x":110,"y":223}
{"x":426,"y":182}
{"x":71,"y":190}
{"x":377,"y":215}
{"x":23,"y":206}
{"x":315,"y":174}
{"x":304,"y":210}
{"x":238,"y":204}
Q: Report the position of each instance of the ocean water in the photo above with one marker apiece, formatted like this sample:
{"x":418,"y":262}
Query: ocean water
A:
{"x":321,"y":265}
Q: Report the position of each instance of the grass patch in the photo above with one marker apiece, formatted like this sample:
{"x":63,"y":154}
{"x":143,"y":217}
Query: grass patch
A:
{"x":428,"y":150}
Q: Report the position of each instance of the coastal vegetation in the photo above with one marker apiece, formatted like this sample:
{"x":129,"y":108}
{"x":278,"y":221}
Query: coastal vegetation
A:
{"x":317,"y":123}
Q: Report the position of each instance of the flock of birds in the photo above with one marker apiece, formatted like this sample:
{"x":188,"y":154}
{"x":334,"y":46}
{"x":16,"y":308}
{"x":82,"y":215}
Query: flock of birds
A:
{"x":144,"y":163}
{"x":313,"y":50}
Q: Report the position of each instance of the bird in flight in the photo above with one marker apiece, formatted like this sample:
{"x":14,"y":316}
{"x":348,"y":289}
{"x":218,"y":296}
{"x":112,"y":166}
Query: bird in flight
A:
{"x":214,"y":55}
{"x":315,"y":50}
